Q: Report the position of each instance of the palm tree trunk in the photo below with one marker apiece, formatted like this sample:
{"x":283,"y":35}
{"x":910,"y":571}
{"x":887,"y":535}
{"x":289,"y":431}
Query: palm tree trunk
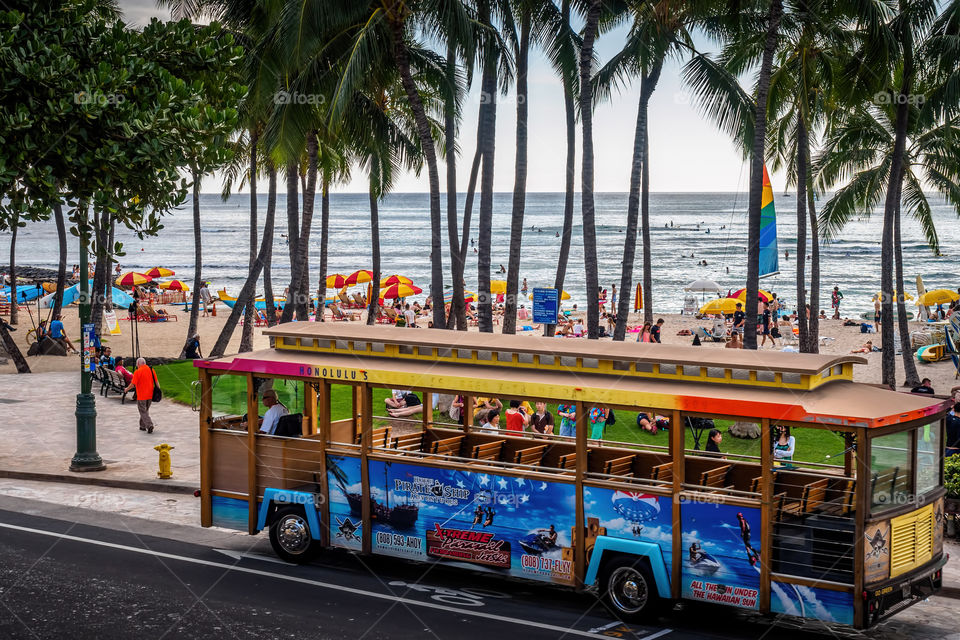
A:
{"x":520,"y":180}
{"x":100,"y":273}
{"x":639,"y":176}
{"x":249,"y":311}
{"x":467,"y":213}
{"x":891,"y":203}
{"x":324,"y":241}
{"x":430,"y":155}
{"x":108,"y":268}
{"x":295,"y":295}
{"x":570,"y":181}
{"x":592,"y":279}
{"x":774,"y":15}
{"x":911,"y":377}
{"x":13,"y":350}
{"x":247,"y":293}
{"x":457,"y":315}
{"x":303,"y":243}
{"x":373,"y":306}
{"x":802,"y":148}
{"x":14,"y":294}
{"x":813,"y":332}
{"x":197,"y":263}
{"x":293,"y":223}
{"x":269,"y":305}
{"x":62,"y":263}
{"x":488,"y":124}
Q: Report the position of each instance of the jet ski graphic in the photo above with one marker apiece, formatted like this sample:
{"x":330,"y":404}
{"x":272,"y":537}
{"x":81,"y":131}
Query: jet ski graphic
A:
{"x":701,"y":561}
{"x":539,"y":541}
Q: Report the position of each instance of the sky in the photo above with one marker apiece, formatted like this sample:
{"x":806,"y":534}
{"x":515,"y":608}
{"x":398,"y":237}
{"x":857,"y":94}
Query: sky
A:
{"x":687,"y":153}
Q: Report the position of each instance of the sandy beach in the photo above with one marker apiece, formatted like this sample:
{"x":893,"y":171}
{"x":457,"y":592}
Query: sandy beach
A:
{"x":165,"y":339}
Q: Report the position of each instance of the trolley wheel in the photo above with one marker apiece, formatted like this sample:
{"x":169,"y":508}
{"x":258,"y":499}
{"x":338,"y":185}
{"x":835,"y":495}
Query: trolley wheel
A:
{"x":629,"y":589}
{"x":290,"y":536}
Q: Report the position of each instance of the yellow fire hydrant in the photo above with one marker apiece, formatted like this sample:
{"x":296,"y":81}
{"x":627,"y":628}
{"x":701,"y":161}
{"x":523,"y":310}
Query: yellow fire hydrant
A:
{"x":166,"y":469}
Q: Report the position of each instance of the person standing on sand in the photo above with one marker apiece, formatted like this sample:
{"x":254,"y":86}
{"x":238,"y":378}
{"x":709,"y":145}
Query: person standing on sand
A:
{"x":206,"y":298}
{"x":523,"y":289}
{"x":766,"y":326}
{"x":143,"y":381}
{"x":835,"y":299}
{"x":876,"y":314}
{"x":738,"y":317}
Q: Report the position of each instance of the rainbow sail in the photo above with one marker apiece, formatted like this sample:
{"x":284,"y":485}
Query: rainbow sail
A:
{"x":769,"y":265}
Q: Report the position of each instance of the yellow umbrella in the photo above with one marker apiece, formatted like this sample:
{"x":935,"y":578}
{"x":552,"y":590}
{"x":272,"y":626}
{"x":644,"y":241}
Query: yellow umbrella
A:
{"x":394,"y":279}
{"x":159,"y":272}
{"x":938,"y":296}
{"x":720,"y":305}
{"x":879,"y":295}
{"x":741,"y":295}
{"x":498,"y":286}
{"x":336,"y":281}
{"x":563,"y":295}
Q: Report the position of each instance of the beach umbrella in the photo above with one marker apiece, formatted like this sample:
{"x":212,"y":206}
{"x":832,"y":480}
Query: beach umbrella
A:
{"x":400,"y":290}
{"x":468,"y":296}
{"x":395,"y":279}
{"x":159,"y":272}
{"x":720,"y":305}
{"x":879,"y":295}
{"x":336,"y":281}
{"x":359,"y":277}
{"x":741,"y":294}
{"x":175,"y":285}
{"x":563,"y":296}
{"x":938,"y":296}
{"x":133,"y":279}
{"x":498,"y":286}
{"x":703,"y":286}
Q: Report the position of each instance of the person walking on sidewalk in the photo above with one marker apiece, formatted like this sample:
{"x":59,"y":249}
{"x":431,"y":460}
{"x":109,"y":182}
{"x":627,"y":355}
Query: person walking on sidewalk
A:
{"x":143,"y":381}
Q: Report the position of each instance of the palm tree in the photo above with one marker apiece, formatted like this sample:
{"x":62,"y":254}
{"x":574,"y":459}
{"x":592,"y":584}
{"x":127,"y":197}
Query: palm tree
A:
{"x":659,"y":29}
{"x":860,"y":152}
{"x":563,"y":50}
{"x":743,"y":116}
{"x":592,"y":279}
{"x":522,"y":56}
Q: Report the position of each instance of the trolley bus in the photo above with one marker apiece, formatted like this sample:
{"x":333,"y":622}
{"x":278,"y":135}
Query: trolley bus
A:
{"x":849,"y":539}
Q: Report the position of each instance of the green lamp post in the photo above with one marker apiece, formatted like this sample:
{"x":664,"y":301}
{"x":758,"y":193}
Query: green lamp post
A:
{"x":86,"y":458}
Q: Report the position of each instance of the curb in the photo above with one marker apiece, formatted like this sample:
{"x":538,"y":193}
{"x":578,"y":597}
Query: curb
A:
{"x":86,"y":479}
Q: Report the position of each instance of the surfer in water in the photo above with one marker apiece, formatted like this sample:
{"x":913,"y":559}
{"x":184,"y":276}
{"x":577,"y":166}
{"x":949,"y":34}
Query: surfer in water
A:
{"x":752,"y":554}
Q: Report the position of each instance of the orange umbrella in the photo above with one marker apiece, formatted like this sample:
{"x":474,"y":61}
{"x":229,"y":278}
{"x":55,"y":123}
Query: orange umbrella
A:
{"x":360,"y":276}
{"x":395,"y":279}
{"x":400,"y":290}
{"x":133,"y":279}
{"x":159,"y":272}
{"x":336,"y":281}
{"x":764,"y":296}
{"x":175,"y":285}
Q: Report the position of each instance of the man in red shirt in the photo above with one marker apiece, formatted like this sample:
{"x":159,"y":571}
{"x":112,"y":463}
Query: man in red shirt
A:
{"x":143,"y":383}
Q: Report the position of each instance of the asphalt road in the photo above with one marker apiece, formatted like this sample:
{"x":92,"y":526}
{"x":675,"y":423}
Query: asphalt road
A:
{"x":66,"y":579}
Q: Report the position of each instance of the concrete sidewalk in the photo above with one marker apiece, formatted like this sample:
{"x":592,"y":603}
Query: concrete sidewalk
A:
{"x":38,"y":429}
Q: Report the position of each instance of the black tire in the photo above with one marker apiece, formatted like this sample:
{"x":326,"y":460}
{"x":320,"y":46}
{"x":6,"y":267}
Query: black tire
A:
{"x":629,"y":589}
{"x":290,"y":536}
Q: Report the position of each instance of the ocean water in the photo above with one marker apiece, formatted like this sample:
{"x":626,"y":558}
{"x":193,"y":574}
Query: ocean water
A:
{"x":710,"y":226}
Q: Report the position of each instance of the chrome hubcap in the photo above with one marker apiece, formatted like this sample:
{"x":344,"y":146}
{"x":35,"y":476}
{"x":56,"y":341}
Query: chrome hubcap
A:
{"x":628,"y":589}
{"x":293,"y":534}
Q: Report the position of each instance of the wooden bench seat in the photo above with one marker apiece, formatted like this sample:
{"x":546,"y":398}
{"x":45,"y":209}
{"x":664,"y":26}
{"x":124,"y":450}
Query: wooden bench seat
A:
{"x":379,"y":438}
{"x":811,"y":499}
{"x":408,"y":442}
{"x":487,"y":450}
{"x":622,"y":466}
{"x":663,"y":472}
{"x":447,"y":446}
{"x":530,"y":455}
{"x":842,"y":504}
{"x":567,"y":461}
{"x":715,"y":477}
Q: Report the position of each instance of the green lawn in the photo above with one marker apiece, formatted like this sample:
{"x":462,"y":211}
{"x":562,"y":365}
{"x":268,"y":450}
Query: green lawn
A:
{"x":229,"y":397}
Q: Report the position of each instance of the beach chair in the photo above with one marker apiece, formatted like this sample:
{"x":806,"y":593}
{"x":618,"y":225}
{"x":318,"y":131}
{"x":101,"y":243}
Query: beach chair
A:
{"x":360,"y":303}
{"x":344,"y":300}
{"x":690,"y":307}
{"x":389,"y":316}
{"x":338,"y":314}
{"x":707,"y":335}
{"x":152,"y":315}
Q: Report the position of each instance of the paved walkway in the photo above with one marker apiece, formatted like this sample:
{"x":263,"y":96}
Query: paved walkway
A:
{"x":38,"y":431}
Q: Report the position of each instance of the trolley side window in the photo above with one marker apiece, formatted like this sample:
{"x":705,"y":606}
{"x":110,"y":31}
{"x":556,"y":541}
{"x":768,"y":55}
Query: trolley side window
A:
{"x":891,"y":471}
{"x":929,"y":450}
